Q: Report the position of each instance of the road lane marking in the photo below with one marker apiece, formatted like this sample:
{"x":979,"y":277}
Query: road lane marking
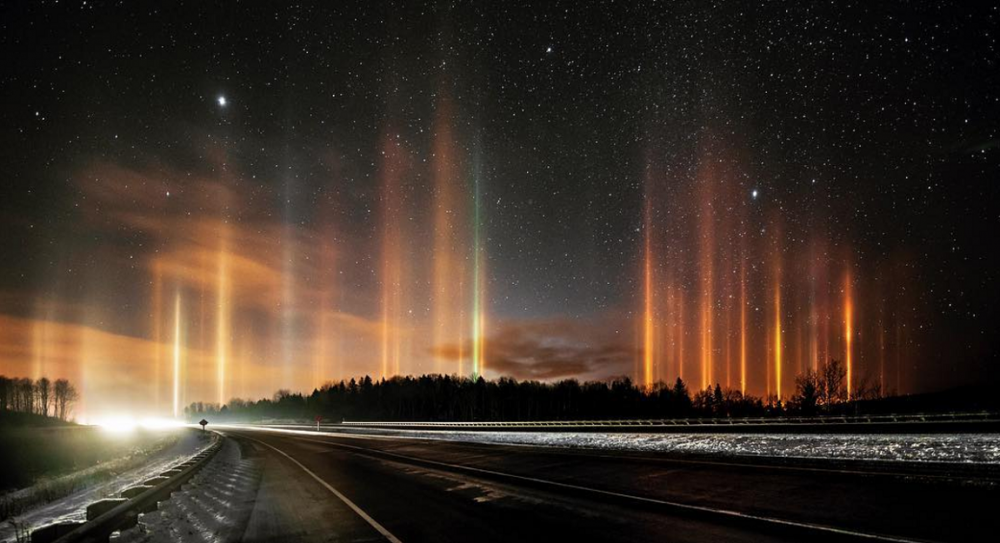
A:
{"x":683,"y":506}
{"x":374,"y":524}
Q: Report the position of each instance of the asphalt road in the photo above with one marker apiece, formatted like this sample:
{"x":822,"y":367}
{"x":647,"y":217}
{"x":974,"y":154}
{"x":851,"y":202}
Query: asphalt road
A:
{"x":339,"y":487}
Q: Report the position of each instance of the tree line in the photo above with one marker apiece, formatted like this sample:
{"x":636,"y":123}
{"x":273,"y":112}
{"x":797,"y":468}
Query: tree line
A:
{"x":40,"y":397}
{"x":454,"y":398}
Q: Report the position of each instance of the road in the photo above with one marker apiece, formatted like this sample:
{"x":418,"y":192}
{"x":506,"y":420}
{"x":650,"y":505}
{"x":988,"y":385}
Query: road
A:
{"x":369,"y":488}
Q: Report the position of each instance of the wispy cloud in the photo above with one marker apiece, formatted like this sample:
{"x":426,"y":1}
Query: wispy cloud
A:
{"x":549,"y":349}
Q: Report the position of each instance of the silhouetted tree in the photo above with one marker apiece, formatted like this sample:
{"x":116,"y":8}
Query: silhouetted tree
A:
{"x":6,"y":392}
{"x":806,"y":396}
{"x":456,"y":398}
{"x":831,"y":383}
{"x":867,"y":389}
{"x":65,"y":396}
{"x":24,"y":395}
{"x":43,"y":388}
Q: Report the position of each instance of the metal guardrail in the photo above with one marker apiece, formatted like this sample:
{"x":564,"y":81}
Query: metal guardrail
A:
{"x":675,"y":423}
{"x":100,"y":529}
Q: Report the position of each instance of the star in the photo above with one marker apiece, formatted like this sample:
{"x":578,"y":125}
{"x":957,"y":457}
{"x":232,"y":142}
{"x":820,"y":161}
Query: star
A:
{"x":753,"y":194}
{"x":222,"y":101}
{"x":548,"y":49}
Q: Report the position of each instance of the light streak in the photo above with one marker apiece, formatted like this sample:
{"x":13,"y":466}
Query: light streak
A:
{"x":462,"y":316}
{"x":706,"y":328}
{"x":707,"y":284}
{"x":177,"y":355}
{"x":881,"y":346}
{"x":157,"y":340}
{"x":648,"y":324}
{"x":265,"y":337}
{"x":669,"y":324}
{"x":777,"y":328}
{"x":813,"y":315}
{"x":848,"y":332}
{"x":447,"y":309}
{"x":321,"y":364}
{"x":743,"y":326}
{"x":681,"y":333}
{"x":288,"y":303}
{"x":478,"y":320}
{"x":392,"y":256}
{"x":729,"y":342}
{"x":222,"y":331}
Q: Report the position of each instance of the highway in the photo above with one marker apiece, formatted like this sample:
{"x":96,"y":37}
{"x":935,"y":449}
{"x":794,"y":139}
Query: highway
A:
{"x":346,"y":487}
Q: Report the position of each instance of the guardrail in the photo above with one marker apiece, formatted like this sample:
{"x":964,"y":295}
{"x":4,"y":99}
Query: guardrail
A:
{"x":680,"y":423}
{"x":112,"y":515}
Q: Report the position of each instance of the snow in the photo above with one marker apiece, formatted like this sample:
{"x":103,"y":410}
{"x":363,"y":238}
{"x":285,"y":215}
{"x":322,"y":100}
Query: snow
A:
{"x":213,"y":506}
{"x":74,"y":506}
{"x":960,"y":448}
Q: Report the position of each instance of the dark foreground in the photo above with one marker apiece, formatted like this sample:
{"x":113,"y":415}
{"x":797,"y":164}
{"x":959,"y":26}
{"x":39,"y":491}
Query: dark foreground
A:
{"x":366,"y":488}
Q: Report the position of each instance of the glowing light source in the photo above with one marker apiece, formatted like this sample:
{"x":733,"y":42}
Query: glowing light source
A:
{"x":123,"y":424}
{"x":159,"y":423}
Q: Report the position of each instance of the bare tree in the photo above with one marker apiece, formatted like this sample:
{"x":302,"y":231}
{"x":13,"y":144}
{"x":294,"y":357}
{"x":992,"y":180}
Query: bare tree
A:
{"x":868,"y":389}
{"x":24,"y":395}
{"x":43,"y":389}
{"x":831,"y":383}
{"x":65,"y":396}
{"x":6,"y":391}
{"x":807,"y":393}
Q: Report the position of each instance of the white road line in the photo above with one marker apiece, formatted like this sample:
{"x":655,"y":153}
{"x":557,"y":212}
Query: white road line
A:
{"x":697,"y":508}
{"x":381,"y":529}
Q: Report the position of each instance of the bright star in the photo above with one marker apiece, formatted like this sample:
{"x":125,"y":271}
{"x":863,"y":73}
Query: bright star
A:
{"x":753,"y":194}
{"x":548,"y":49}
{"x":222,"y":101}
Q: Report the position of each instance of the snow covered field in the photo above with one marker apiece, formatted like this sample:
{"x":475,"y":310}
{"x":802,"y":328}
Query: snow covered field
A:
{"x":962,"y":448}
{"x":971,"y":448}
{"x":73,"y":507}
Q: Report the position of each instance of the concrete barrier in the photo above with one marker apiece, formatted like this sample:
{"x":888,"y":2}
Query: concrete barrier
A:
{"x":106,"y":516}
{"x":97,"y":509}
{"x":52,"y":532}
{"x":134,"y":491}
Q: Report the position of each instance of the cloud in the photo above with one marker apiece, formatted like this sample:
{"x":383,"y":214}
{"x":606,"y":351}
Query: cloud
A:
{"x":277,"y":303}
{"x":116,"y":372}
{"x":550,"y":349}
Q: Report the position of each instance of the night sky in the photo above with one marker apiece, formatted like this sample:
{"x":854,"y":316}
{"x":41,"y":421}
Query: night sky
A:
{"x":219,"y":199}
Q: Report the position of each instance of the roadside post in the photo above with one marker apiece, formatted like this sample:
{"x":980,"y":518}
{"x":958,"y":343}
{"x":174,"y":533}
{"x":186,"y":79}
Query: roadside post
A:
{"x":318,"y":418}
